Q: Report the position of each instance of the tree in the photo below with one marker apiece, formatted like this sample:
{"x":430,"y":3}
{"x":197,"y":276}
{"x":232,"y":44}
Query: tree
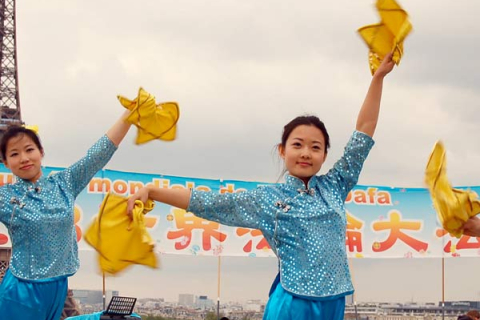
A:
{"x":213,"y":316}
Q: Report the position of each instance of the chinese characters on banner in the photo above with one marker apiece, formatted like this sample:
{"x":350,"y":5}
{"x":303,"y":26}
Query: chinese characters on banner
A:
{"x":382,"y":222}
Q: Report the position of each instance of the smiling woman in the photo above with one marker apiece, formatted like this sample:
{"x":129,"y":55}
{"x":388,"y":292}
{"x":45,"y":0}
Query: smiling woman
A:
{"x":304,"y":146}
{"x":38,"y":212}
{"x":303,"y":219}
{"x":22,"y":152}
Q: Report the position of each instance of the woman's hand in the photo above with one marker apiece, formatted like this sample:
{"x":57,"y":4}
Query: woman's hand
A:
{"x":472,"y":227}
{"x":142,"y":195}
{"x":386,"y":66}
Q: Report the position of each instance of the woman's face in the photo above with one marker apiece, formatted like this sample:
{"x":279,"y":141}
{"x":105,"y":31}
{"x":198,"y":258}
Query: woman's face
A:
{"x":24,"y":158}
{"x":304,"y":152}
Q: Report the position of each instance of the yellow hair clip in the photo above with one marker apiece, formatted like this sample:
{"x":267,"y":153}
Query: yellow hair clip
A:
{"x":34,"y":128}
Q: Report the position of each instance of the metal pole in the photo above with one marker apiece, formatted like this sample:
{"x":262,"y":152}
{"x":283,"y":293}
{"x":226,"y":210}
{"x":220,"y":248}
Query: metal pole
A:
{"x":355,"y":304}
{"x":218,"y":288}
{"x":350,"y":265}
{"x":443,"y":288}
{"x":103,"y":293}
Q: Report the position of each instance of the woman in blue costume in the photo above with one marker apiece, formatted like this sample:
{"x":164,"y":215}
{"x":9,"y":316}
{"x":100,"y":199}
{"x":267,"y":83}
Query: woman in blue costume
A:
{"x":303,"y":219}
{"x":38,"y":213}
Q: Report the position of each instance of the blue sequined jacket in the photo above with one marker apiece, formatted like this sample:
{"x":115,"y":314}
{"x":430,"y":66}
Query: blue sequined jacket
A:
{"x":305,"y":226}
{"x":39,"y":217}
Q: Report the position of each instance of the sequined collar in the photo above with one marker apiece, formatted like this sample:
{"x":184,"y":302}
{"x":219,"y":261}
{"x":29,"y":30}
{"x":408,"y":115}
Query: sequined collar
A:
{"x":28,"y":184}
{"x":298,"y":184}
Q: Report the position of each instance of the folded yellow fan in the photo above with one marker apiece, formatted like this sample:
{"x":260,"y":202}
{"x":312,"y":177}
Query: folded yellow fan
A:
{"x":154,"y":121}
{"x":388,"y":35}
{"x":454,"y":207}
{"x":119,"y":240}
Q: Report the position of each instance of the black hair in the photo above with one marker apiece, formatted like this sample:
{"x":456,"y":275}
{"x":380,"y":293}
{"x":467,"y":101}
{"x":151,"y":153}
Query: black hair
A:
{"x":15,"y":131}
{"x":307,"y":120}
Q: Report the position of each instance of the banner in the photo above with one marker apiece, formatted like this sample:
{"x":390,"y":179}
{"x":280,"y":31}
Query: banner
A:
{"x":382,"y":222}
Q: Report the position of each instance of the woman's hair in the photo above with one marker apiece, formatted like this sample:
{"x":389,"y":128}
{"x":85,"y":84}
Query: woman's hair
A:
{"x":474,"y":314}
{"x":307,"y":120}
{"x":15,"y":131}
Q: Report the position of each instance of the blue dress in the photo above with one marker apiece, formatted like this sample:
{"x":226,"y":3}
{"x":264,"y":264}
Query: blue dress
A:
{"x":39,"y":217}
{"x":305,"y":227}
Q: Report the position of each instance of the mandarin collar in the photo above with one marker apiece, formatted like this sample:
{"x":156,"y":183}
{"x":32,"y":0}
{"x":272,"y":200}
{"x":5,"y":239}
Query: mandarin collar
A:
{"x":28,"y":183}
{"x":298,"y":183}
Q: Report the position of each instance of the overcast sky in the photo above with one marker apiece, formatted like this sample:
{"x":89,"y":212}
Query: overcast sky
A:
{"x":240,"y":70}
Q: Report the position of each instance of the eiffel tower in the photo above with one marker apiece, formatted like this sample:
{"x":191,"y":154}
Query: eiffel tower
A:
{"x":10,"y":112}
{"x":9,"y":98}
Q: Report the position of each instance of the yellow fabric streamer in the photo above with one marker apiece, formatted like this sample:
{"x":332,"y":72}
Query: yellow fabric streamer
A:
{"x":119,"y":240}
{"x":454,"y":207}
{"x":154,"y":121}
{"x":388,"y":35}
{"x":34,"y":128}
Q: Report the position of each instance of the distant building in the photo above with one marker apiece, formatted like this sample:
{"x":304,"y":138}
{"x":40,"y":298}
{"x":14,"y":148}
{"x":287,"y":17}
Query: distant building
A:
{"x":255,"y":305}
{"x":204,"y":303}
{"x":93,"y":296}
{"x":186,"y":300}
{"x":462,"y":305}
{"x":349,"y":299}
{"x":410,"y":311}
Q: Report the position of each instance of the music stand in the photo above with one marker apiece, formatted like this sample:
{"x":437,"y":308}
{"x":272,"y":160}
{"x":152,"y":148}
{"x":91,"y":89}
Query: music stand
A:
{"x":119,"y":308}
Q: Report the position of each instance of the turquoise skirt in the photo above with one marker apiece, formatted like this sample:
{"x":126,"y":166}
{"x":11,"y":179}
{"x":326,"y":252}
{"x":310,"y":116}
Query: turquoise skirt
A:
{"x":27,"y":300}
{"x":282,"y":305}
